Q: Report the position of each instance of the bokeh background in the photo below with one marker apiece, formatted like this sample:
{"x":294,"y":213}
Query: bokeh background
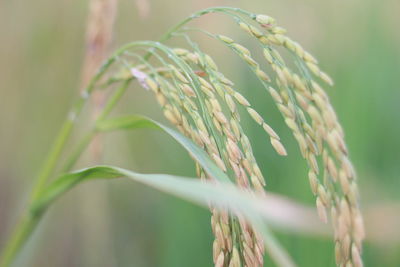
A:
{"x":120,"y":223}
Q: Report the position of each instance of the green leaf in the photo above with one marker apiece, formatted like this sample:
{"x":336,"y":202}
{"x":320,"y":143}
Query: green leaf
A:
{"x":220,"y":195}
{"x":67,"y":181}
{"x":137,"y":122}
{"x":125,"y":122}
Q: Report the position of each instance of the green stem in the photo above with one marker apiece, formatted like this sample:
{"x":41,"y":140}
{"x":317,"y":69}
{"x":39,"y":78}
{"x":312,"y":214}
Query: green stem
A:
{"x":27,"y":224}
{"x":20,"y":235}
{"x":85,"y":141}
{"x":82,"y":145}
{"x":65,"y":132}
{"x":196,"y":15}
{"x":200,"y":13}
{"x":52,"y":158}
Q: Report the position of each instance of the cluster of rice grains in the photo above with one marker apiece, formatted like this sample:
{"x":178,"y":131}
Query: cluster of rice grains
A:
{"x":203,"y":104}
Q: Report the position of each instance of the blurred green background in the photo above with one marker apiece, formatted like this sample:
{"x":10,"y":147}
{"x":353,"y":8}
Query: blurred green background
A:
{"x":120,"y":223}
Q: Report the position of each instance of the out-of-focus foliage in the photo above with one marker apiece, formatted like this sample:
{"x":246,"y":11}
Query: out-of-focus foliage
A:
{"x":41,"y":53}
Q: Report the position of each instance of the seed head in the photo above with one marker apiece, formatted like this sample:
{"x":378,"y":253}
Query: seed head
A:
{"x":265,"y":20}
{"x":255,"y":31}
{"x":278,"y":30}
{"x":233,"y":151}
{"x":244,"y":26}
{"x":178,"y":74}
{"x":216,"y":107}
{"x":314,"y":68}
{"x":211,"y":62}
{"x":313,"y":182}
{"x":220,"y":118}
{"x":355,"y":256}
{"x":268,"y":56}
{"x":161,"y":99}
{"x":235,"y":258}
{"x":270,"y":131}
{"x":188,"y":90}
{"x":275,"y":95}
{"x":250,"y":61}
{"x":225,"y":80}
{"x":193,"y":57}
{"x":235,"y":128}
{"x":220,"y":260}
{"x":262,"y":75}
{"x":278,"y":39}
{"x":180,"y":51}
{"x":241,"y":49}
{"x":230,"y":103}
{"x":279,"y":148}
{"x":308,"y":57}
{"x":241,"y":99}
{"x":225,"y":39}
{"x":325,"y":77}
{"x":254,"y":114}
{"x":171,"y":117}
{"x":206,"y":84}
{"x":321,"y":210}
{"x":264,"y":40}
{"x":151,"y":84}
{"x":219,"y":162}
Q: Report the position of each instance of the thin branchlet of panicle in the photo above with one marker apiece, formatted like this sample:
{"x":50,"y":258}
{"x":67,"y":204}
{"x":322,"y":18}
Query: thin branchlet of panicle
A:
{"x":207,"y":111}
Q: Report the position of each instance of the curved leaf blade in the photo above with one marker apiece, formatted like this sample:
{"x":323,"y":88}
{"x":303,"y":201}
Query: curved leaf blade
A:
{"x":221,"y":195}
{"x":140,"y":122}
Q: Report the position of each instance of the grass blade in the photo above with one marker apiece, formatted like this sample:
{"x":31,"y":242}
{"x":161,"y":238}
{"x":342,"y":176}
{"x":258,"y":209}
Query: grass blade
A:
{"x":139,"y":122}
{"x":221,"y":195}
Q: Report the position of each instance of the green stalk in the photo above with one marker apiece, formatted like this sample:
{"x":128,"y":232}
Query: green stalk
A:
{"x":224,"y":10}
{"x":200,"y":13}
{"x":65,"y":132}
{"x":85,"y":141}
{"x":28,"y":222}
{"x":21,"y":233}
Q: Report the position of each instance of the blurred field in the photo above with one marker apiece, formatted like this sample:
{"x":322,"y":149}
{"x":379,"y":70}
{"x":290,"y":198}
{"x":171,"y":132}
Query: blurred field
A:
{"x":120,"y":223}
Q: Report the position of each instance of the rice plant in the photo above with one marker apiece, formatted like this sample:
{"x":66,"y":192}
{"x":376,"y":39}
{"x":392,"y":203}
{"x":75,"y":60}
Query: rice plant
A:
{"x":203,"y":105}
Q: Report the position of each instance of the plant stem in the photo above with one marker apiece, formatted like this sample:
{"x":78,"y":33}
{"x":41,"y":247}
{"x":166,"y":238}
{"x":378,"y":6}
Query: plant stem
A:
{"x":195,"y":15}
{"x":200,"y":13}
{"x":84,"y":142}
{"x":27,"y":223}
{"x":20,"y":235}
{"x":65,"y":132}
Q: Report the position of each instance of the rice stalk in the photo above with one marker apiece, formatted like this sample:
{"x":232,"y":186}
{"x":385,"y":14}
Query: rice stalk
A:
{"x":203,"y":105}
{"x":309,"y":114}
